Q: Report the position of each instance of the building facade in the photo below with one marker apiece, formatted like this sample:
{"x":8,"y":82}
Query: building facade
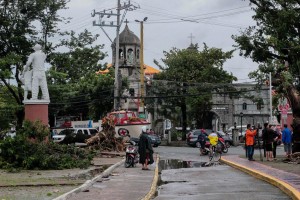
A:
{"x":251,"y":107}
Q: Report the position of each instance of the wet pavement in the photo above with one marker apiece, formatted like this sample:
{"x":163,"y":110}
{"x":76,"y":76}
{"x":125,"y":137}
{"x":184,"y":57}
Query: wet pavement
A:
{"x":185,"y":176}
{"x":121,"y":183}
{"x":288,"y":182}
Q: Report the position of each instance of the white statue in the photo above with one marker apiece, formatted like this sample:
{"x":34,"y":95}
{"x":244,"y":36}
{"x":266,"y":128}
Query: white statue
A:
{"x":35,"y":78}
{"x":26,"y":79}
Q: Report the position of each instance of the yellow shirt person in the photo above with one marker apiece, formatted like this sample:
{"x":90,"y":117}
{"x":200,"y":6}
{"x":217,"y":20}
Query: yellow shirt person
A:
{"x":213,"y":139}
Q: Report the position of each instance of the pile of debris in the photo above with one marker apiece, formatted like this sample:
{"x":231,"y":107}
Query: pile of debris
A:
{"x":106,"y":140}
{"x":293,"y":159}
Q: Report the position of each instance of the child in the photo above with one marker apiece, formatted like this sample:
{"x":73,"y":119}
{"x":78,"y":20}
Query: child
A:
{"x":26,"y":79}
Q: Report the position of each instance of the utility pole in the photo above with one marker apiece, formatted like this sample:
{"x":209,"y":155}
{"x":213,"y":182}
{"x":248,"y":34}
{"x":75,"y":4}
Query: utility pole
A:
{"x":142,"y":62}
{"x":270,"y":85}
{"x":127,"y":7}
{"x":117,"y":86}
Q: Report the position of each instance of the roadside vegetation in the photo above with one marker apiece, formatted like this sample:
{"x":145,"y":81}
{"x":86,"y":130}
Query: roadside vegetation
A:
{"x":31,"y":149}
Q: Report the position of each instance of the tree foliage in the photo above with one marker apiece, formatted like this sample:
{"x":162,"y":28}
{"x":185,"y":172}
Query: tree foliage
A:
{"x":74,"y":58}
{"x":23,"y":23}
{"x":186,"y":80}
{"x":8,"y":109}
{"x":73,"y":74}
{"x":274,"y":44}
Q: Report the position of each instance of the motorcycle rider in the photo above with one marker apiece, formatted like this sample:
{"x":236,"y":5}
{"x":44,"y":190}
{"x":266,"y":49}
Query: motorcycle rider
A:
{"x":202,"y":139}
{"x":213,"y":139}
{"x":145,"y":149}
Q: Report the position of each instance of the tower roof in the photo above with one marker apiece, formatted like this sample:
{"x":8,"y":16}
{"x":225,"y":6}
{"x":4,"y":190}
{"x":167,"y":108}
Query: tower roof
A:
{"x":128,"y":37}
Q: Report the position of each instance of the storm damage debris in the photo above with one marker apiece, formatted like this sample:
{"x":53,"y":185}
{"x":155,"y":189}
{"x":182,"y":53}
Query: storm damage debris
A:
{"x":106,"y":140}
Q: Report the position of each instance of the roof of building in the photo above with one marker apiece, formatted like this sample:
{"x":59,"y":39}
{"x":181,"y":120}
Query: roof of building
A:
{"x":148,"y":70}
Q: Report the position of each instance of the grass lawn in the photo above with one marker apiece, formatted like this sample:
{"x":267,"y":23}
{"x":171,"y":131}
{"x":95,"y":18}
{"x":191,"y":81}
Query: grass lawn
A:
{"x":278,"y":164}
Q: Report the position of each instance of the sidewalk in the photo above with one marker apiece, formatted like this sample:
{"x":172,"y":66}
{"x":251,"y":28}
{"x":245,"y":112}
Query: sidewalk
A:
{"x":119,"y":183}
{"x":287,"y":182}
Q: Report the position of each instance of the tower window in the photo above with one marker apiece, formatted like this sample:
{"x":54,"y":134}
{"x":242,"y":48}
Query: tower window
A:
{"x":138,"y":54}
{"x":244,"y":106}
{"x":120,"y":53}
{"x":130,"y":56}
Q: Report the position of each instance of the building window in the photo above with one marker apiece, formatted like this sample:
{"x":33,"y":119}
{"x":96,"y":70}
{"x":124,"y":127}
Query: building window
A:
{"x":244,"y":106}
{"x":120,"y":54}
{"x":130,"y":56}
{"x":258,"y":106}
{"x":137,"y":54}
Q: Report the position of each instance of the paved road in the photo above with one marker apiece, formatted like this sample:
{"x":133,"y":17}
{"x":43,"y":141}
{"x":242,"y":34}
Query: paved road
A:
{"x":215,"y":182}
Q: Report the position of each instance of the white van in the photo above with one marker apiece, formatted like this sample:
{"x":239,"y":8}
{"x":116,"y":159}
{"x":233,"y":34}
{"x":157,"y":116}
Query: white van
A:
{"x":62,"y":134}
{"x":244,"y":127}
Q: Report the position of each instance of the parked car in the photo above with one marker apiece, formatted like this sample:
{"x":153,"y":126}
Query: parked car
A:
{"x":192,"y":137}
{"x":155,"y":140}
{"x":86,"y":131}
{"x":227,"y":138}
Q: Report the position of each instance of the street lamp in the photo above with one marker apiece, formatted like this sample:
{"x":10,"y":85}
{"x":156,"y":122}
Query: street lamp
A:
{"x":241,"y":115}
{"x":142,"y":59}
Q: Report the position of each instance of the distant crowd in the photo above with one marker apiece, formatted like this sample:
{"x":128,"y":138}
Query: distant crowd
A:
{"x":272,"y":136}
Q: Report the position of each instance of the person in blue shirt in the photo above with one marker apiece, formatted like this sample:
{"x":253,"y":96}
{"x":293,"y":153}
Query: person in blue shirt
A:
{"x":287,"y":140}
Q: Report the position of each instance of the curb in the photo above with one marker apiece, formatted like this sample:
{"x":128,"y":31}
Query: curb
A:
{"x":285,"y":187}
{"x":88,"y":183}
{"x":152,"y":191}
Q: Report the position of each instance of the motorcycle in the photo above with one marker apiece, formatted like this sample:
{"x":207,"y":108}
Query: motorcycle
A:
{"x":224,"y":146}
{"x":221,"y":141}
{"x":132,"y":155}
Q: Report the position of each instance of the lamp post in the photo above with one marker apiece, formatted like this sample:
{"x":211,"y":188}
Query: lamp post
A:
{"x":142,"y":60}
{"x":241,"y":115}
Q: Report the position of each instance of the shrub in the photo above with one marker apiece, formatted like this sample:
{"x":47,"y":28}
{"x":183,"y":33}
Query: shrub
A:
{"x":21,"y":153}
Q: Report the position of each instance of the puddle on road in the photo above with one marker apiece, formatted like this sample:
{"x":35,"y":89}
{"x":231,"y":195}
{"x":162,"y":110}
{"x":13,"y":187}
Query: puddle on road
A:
{"x":177,"y":164}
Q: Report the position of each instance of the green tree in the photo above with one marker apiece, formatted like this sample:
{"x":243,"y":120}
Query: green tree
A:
{"x":184,"y":80}
{"x":23,"y":23}
{"x":8,"y":108}
{"x":74,"y":86}
{"x":274,"y":44}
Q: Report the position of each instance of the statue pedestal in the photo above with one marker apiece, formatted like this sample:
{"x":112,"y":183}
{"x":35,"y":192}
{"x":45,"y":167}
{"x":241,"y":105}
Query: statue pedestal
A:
{"x":37,"y":110}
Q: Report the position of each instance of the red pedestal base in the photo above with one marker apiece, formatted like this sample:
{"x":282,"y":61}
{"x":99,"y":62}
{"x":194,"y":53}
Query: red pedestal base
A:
{"x":34,"y":112}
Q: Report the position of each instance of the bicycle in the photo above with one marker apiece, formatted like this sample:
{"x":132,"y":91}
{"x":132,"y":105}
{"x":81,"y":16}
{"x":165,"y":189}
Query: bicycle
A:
{"x":215,"y":155}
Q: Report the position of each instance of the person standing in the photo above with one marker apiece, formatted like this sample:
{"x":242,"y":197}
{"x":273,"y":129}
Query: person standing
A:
{"x":276,"y":142}
{"x":250,"y":137}
{"x":264,"y":137}
{"x":269,"y":143}
{"x":287,"y":140}
{"x":145,"y":149}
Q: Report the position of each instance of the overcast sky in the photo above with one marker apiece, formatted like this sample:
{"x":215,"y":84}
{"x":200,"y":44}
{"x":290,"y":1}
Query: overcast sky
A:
{"x":209,"y":21}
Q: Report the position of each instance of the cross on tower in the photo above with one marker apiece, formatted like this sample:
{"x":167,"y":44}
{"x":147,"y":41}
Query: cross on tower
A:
{"x":191,"y":38}
{"x":126,"y":21}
